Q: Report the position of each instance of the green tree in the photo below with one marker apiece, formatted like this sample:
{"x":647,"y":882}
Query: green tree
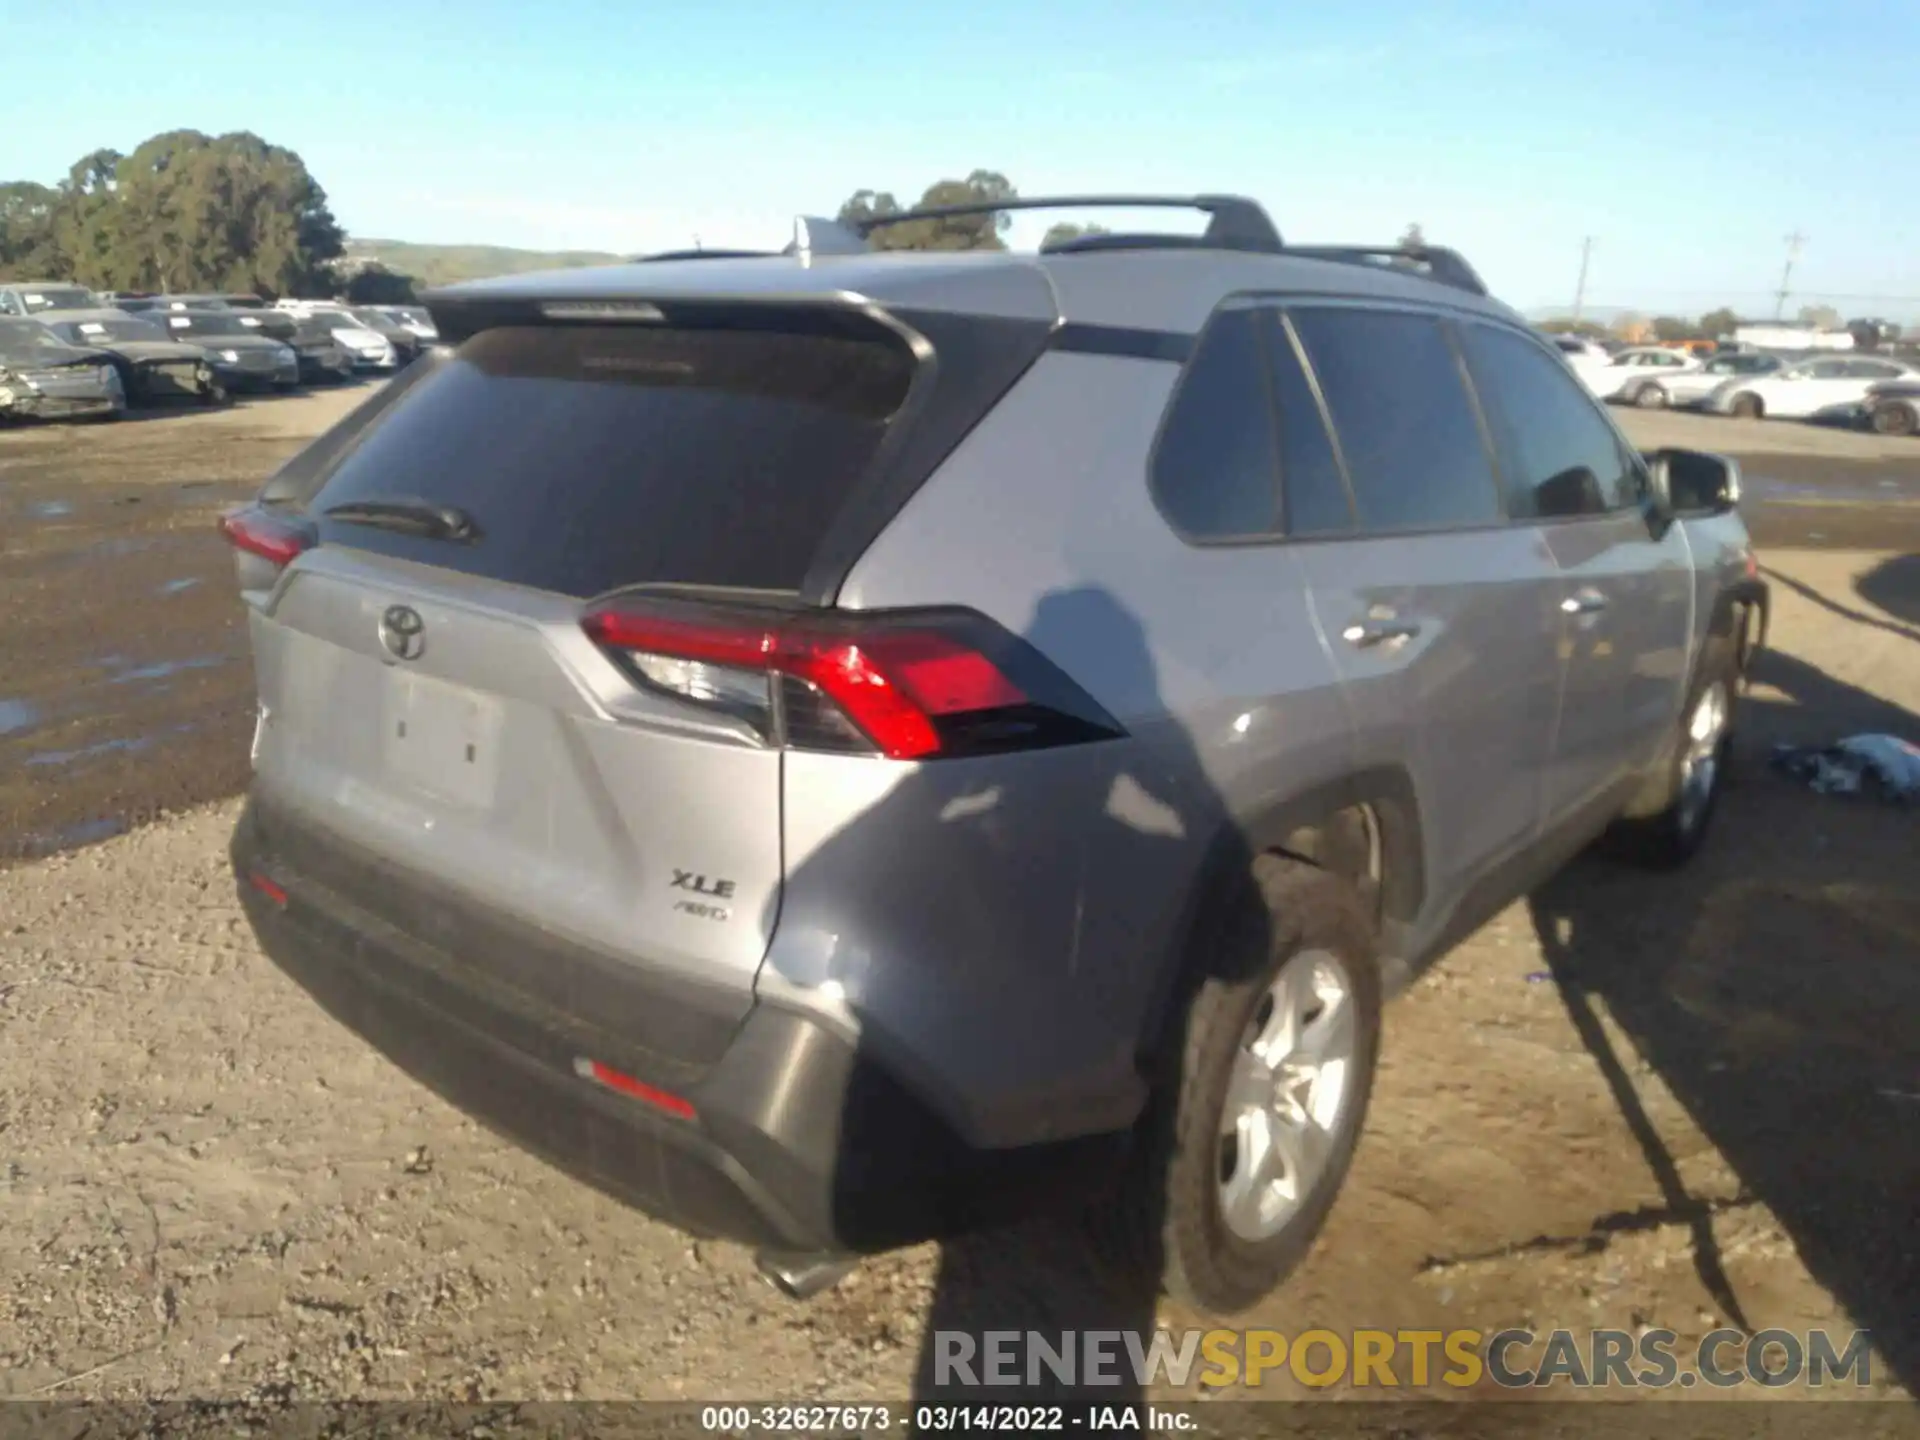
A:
{"x":377,"y":285}
{"x":27,"y":248}
{"x":1413,"y":237}
{"x":1823,"y":317}
{"x":1672,"y":327}
{"x":83,"y":211}
{"x":1718,"y":324}
{"x":1066,"y":230}
{"x":954,"y":232}
{"x":189,"y":211}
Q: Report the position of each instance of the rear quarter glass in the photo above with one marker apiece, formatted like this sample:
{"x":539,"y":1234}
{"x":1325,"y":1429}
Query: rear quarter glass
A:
{"x":595,"y":457}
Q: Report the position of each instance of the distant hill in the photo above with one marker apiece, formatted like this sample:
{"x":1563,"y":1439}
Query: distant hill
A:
{"x":445,"y":264}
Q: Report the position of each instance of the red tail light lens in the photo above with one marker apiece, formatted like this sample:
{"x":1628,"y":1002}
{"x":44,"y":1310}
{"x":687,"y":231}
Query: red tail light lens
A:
{"x":261,"y":533}
{"x":907,"y":686}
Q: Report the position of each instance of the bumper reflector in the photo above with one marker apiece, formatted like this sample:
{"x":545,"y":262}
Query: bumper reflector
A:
{"x":615,"y":1080}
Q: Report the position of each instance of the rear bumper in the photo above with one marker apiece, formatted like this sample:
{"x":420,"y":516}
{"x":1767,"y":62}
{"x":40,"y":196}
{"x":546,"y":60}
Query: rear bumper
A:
{"x":796,"y":1141}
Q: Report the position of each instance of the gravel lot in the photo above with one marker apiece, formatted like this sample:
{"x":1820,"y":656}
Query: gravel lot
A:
{"x":1673,"y":1102}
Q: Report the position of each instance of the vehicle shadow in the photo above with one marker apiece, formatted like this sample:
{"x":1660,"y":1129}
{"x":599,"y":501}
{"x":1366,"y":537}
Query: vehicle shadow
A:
{"x":1773,"y":988}
{"x":1079,"y":856}
{"x":1894,"y":585}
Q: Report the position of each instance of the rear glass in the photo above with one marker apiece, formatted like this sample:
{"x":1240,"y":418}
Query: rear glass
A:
{"x":595,"y":457}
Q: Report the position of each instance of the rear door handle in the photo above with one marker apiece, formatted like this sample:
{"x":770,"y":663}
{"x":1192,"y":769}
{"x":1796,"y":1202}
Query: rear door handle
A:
{"x":1586,"y":601}
{"x":1365,"y":634}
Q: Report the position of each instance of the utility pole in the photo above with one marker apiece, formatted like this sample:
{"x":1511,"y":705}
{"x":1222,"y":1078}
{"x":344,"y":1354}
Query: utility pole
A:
{"x":1794,"y":242}
{"x":1580,"y":289}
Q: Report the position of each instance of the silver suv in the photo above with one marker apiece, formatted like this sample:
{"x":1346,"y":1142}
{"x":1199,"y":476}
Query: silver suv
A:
{"x":839,"y":748}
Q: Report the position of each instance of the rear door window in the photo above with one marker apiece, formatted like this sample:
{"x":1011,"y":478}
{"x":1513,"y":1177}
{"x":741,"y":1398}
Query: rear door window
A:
{"x":1559,"y":455}
{"x":1404,"y":418}
{"x":1214,"y":469}
{"x":1317,"y":502}
{"x":593,"y":457}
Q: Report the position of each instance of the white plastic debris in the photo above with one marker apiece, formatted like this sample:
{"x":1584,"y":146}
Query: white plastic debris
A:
{"x":1885,"y":764}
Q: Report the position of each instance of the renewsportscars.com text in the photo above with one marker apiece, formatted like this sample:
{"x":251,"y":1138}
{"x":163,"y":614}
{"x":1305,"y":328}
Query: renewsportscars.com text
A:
{"x":1406,"y":1359}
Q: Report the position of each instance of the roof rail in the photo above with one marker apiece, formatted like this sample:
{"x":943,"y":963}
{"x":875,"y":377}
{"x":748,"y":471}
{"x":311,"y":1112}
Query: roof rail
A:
{"x":1234,"y":222}
{"x":702,"y":255}
{"x":1448,"y":267}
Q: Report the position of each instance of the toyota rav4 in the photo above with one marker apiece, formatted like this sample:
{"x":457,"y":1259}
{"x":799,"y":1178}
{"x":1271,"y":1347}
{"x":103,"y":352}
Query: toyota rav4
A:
{"x":839,"y":748}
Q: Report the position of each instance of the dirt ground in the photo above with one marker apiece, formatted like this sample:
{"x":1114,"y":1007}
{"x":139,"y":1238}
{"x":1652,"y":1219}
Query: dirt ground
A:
{"x":1674,"y":1102}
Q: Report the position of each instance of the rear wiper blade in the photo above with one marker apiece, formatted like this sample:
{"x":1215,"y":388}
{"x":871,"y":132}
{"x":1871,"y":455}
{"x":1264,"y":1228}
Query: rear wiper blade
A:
{"x":440,"y":522}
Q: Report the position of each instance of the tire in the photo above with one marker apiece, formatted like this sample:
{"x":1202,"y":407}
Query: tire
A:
{"x":1896,"y":418}
{"x":1650,"y":397}
{"x":1696,"y":773}
{"x":1746,"y":406}
{"x":215,"y":394}
{"x":1187,"y":1217}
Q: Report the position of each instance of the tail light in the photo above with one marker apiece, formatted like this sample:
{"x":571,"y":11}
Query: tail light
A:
{"x":258,"y":531}
{"x":908,"y":685}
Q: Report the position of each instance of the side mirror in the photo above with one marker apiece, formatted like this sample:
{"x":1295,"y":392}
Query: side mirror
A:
{"x":1694,"y":482}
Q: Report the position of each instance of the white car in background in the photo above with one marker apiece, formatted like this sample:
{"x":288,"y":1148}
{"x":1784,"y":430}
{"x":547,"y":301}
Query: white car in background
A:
{"x":1640,"y":376}
{"x":1577,"y":350}
{"x":1831,"y":386}
{"x":1694,"y":386}
{"x":369,"y":349}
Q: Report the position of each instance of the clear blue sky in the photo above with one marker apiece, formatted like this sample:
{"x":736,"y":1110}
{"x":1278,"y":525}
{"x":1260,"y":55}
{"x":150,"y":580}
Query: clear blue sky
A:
{"x":1688,"y":137}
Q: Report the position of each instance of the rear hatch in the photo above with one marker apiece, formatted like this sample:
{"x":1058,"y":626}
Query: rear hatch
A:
{"x":484,"y":612}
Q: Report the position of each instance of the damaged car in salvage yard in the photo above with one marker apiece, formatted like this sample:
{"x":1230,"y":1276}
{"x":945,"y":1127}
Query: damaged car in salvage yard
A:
{"x":242,"y":357}
{"x":153,"y":366}
{"x":43,"y":377}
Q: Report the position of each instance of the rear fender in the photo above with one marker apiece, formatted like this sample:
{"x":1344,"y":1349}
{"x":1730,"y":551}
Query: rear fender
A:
{"x":1365,"y":827}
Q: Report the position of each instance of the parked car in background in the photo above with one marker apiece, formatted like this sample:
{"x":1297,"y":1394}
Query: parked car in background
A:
{"x":406,"y":342}
{"x":242,"y":357}
{"x":323,"y":359}
{"x":153,"y":365}
{"x":1638,"y":375}
{"x":1574,"y":348}
{"x":415,"y":317}
{"x":369,"y":348}
{"x":926,"y":784}
{"x":21,"y":298}
{"x":1892,"y":407}
{"x":1689,"y":388}
{"x":46,"y":378}
{"x":262,"y":321}
{"x":1828,"y":387}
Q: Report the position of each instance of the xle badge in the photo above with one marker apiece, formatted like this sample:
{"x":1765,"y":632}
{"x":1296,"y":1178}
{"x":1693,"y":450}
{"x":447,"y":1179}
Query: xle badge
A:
{"x":701,"y":885}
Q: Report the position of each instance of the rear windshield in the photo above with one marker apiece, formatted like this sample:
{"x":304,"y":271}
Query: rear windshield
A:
{"x":595,"y":457}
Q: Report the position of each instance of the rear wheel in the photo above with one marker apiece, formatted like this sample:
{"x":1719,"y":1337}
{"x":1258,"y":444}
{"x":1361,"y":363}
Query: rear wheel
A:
{"x":1896,"y":418}
{"x":1747,"y":406}
{"x":1651,"y":396}
{"x":1253,"y":1128}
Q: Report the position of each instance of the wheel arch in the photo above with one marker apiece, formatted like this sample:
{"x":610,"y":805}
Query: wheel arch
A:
{"x":1364,"y":827}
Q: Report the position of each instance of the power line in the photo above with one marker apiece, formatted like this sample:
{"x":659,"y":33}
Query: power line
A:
{"x":1580,"y":289}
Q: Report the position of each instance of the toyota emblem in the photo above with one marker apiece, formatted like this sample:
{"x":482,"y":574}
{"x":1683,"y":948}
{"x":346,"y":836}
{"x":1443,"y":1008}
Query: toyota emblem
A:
{"x":403,"y":632}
